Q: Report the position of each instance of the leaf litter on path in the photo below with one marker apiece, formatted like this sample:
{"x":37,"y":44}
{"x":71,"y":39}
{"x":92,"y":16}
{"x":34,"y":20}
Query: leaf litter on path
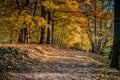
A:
{"x":41,"y":62}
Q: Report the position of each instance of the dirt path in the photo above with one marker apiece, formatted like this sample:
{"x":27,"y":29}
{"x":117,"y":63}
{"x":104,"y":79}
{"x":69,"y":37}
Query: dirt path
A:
{"x":66,"y":65}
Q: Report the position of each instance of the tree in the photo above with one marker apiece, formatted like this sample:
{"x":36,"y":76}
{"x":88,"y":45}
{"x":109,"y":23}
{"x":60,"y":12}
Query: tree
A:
{"x":59,"y":21}
{"x":115,"y":63}
{"x":43,"y":27}
{"x":100,"y":19}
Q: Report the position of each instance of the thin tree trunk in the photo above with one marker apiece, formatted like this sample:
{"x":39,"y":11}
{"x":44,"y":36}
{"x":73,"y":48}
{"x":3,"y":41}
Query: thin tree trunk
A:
{"x":11,"y":33}
{"x":48,"y":29}
{"x":90,"y":35}
{"x":18,"y":4}
{"x":27,"y":2}
{"x":52,"y":41}
{"x":95,"y":30}
{"x":35,"y":7}
{"x":25,"y":35}
{"x":20,"y":36}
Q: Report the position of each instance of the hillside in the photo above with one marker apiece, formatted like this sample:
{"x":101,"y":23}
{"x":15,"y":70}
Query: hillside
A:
{"x":45,"y":62}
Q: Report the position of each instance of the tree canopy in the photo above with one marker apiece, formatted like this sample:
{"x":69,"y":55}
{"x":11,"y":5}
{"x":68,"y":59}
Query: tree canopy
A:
{"x":68,"y":23}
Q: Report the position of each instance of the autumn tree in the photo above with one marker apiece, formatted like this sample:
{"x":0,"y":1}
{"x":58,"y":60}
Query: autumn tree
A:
{"x":99,"y":14}
{"x":62,"y":22}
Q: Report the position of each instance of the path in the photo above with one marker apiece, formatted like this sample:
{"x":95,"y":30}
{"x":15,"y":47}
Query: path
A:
{"x":58,"y":64}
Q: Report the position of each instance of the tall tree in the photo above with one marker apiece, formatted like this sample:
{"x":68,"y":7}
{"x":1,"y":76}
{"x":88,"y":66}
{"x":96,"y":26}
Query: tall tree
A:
{"x":43,"y":27}
{"x":48,"y":29}
{"x":52,"y":39}
{"x":115,"y":63}
{"x":99,"y":16}
{"x":24,"y":36}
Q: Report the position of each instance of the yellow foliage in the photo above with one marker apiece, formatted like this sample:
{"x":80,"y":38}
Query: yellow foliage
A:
{"x":87,"y":2}
{"x":50,"y":5}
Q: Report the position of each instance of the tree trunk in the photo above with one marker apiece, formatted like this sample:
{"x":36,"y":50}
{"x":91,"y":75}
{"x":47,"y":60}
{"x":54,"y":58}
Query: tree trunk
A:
{"x":115,"y":54}
{"x":11,"y":37}
{"x":95,"y":33}
{"x":18,"y":5}
{"x":27,"y":2}
{"x":43,"y":28}
{"x":52,"y":41}
{"x":48,"y":29}
{"x":48,"y":35}
{"x":93,"y":48}
{"x":35,"y":8}
{"x":116,"y":42}
{"x":26,"y":36}
{"x":95,"y":30}
{"x":20,"y":36}
{"x":42,"y":37}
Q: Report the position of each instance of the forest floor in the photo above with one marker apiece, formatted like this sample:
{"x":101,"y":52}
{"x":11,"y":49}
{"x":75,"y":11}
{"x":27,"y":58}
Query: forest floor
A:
{"x":45,"y":62}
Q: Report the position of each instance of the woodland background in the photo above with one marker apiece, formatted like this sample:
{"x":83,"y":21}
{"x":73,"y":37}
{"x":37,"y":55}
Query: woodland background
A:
{"x":80,"y":24}
{"x":46,"y":38}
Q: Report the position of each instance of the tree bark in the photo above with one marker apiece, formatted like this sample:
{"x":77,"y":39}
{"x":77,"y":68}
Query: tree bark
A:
{"x":18,"y":5}
{"x":42,"y":37}
{"x":20,"y":36}
{"x":48,"y":36}
{"x":26,"y":36}
{"x":52,"y":41}
{"x":116,"y":43}
{"x":48,"y":29}
{"x":43,"y":28}
{"x":35,"y":8}
{"x":27,"y":2}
